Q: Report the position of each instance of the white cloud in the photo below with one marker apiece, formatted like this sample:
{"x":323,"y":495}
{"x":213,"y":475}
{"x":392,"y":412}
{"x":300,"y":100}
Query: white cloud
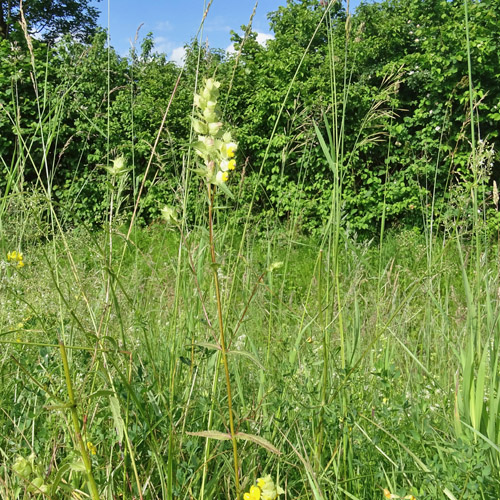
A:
{"x":162,"y":45}
{"x":262,"y":39}
{"x":178,"y":55}
{"x":163,"y":26}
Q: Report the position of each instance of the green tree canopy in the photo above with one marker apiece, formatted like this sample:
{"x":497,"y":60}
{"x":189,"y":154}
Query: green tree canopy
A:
{"x":49,"y":19}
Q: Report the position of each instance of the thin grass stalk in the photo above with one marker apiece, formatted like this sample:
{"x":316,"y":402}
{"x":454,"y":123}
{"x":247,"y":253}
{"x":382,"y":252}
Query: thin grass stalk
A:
{"x":222,"y":340}
{"x":64,"y":358}
{"x":326,"y":346}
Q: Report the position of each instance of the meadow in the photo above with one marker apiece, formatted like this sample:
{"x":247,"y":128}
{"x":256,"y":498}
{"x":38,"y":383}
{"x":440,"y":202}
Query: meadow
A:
{"x":215,"y":337}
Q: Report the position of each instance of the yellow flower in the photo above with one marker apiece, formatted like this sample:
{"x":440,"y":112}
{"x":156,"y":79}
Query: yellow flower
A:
{"x":91,"y":447}
{"x":227,"y":165}
{"x":228,"y":147}
{"x":388,"y":494}
{"x":221,"y":177}
{"x":254,"y":494}
{"x":15,"y":257}
{"x":270,"y":491}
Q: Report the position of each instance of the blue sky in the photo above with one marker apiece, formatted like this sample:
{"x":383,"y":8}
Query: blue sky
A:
{"x":175,"y":22}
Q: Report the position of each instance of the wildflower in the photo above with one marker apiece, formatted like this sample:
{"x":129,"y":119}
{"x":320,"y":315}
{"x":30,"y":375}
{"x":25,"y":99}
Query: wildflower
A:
{"x":119,"y":167}
{"x":388,"y":494}
{"x":275,"y":265}
{"x":214,"y":146}
{"x":229,"y":147}
{"x":265,"y":490}
{"x":91,"y":447}
{"x":168,"y":214}
{"x":269,"y":490}
{"x":214,"y":127}
{"x":226,"y":165}
{"x":221,"y":177}
{"x":16,"y":258}
{"x":254,"y":494}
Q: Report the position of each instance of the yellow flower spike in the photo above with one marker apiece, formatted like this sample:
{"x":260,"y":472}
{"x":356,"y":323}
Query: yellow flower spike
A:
{"x":214,"y":146}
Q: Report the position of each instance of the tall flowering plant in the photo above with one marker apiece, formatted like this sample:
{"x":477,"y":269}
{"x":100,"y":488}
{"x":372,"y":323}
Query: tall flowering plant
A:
{"x":216,"y":149}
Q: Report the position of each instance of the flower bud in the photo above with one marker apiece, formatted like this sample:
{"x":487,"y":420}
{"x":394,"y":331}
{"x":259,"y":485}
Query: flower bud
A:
{"x":199,"y":126}
{"x":214,"y":127}
{"x":210,"y":116}
{"x":22,"y":467}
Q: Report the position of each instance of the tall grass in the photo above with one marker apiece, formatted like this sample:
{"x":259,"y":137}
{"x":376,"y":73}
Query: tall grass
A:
{"x":350,"y":369}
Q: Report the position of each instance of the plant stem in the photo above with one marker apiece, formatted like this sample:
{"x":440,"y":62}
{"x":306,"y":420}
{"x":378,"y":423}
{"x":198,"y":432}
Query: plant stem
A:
{"x":222,"y":339}
{"x":76,"y":424}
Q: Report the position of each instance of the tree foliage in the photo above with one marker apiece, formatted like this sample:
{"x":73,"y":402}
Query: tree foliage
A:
{"x":49,"y":19}
{"x":388,"y":84}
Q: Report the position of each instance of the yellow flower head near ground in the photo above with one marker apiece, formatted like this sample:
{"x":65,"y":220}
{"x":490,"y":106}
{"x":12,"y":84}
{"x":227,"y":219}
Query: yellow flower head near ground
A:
{"x":265,"y":490}
{"x":253,"y":494}
{"x":388,"y":494}
{"x":15,"y":258}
